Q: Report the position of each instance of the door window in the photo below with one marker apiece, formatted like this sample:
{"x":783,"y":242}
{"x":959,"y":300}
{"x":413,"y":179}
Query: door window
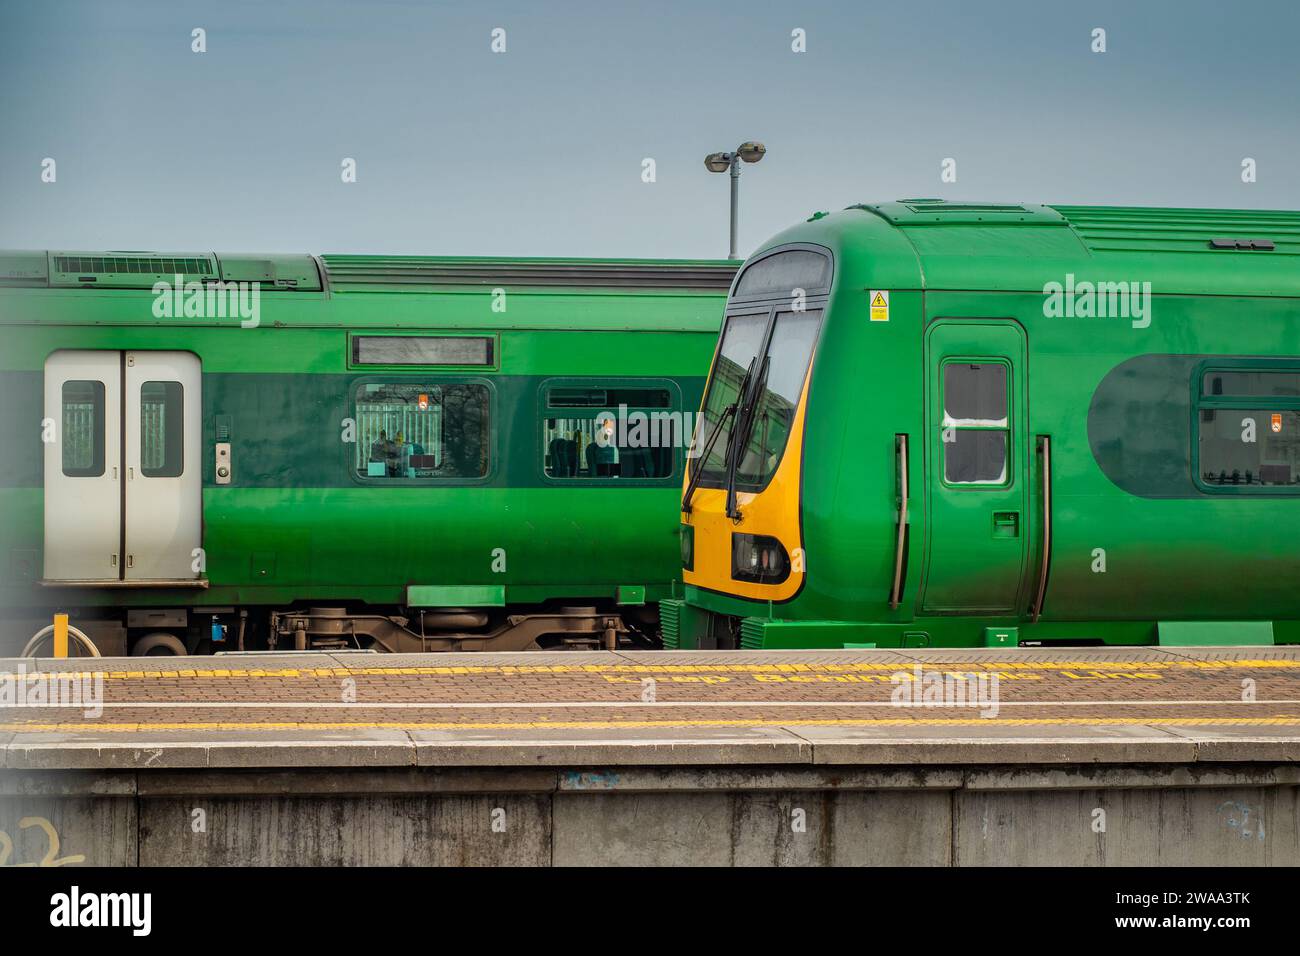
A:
{"x":976,"y":426}
{"x":83,"y":429}
{"x":162,"y":429}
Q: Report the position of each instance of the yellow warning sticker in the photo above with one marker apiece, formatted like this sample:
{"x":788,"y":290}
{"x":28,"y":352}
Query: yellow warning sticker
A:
{"x":879,"y":305}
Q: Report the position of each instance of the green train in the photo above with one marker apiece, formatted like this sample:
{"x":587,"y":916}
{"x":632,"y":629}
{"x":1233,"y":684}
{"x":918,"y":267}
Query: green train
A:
{"x":933,"y":423}
{"x":211,"y":452}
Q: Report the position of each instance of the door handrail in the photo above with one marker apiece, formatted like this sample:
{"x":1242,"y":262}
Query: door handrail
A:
{"x":900,"y":451}
{"x":1045,"y":444}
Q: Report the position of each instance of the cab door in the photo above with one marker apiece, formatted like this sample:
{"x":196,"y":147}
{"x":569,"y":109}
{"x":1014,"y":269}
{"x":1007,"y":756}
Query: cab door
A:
{"x":977,"y":474}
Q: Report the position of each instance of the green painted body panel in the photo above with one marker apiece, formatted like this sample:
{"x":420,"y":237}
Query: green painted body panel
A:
{"x":1212,"y":633}
{"x":630,"y":594}
{"x":1123,"y":452}
{"x":297,"y":524}
{"x":427,"y":595}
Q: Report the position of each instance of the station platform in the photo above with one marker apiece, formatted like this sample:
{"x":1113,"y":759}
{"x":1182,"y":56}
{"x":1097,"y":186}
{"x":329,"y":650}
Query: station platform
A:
{"x":713,"y":707}
{"x":944,"y":757}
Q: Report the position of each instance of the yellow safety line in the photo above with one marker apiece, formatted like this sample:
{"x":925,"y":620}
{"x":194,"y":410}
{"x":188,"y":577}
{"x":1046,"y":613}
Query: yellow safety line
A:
{"x":582,"y":669}
{"x":98,"y":727}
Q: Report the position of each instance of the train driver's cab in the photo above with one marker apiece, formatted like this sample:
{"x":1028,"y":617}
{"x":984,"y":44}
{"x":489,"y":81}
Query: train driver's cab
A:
{"x":740,"y":504}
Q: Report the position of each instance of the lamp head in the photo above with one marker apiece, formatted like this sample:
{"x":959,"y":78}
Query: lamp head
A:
{"x":717,"y":162}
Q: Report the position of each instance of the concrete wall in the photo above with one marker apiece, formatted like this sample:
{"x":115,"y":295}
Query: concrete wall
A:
{"x":1204,"y":815}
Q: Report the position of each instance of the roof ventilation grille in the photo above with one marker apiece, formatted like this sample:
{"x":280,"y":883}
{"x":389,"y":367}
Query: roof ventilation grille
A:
{"x":1265,"y":245}
{"x":133,"y":265}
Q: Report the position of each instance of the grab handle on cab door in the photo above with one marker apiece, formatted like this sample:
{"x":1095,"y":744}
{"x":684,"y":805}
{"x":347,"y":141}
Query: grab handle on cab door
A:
{"x":900,"y":544}
{"x":1045,"y":450}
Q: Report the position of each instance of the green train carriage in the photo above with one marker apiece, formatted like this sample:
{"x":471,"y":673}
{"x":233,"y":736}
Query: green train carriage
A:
{"x":394,"y":453}
{"x":955,"y":424}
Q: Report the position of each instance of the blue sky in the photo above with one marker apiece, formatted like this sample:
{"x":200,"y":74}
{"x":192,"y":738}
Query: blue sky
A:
{"x":538,"y":151}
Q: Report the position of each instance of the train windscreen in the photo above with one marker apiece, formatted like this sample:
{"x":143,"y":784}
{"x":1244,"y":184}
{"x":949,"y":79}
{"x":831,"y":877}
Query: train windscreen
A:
{"x":776,"y":374}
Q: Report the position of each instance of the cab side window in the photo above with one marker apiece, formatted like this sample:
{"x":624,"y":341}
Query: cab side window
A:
{"x":591,"y":431}
{"x":976,"y":427}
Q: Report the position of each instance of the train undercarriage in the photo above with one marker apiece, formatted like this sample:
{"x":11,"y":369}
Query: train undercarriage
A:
{"x":147,"y":632}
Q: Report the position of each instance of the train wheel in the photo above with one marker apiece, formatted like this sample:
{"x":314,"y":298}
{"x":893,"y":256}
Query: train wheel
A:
{"x":158,"y":645}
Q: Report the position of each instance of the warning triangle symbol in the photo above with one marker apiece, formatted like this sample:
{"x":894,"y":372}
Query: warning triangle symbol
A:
{"x":878,"y":302}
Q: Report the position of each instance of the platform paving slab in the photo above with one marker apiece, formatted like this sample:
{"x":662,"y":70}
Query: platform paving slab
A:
{"x":1252,"y":743}
{"x":632,"y":747}
{"x":933,"y":744}
{"x":158,"y":750}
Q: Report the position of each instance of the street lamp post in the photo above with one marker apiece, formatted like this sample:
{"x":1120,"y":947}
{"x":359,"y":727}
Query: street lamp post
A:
{"x":750,"y":152}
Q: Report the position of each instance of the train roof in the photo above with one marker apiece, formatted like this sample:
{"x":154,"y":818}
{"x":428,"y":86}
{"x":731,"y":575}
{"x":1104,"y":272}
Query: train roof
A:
{"x":934,"y":244}
{"x":348,"y":291}
{"x":360,"y":273}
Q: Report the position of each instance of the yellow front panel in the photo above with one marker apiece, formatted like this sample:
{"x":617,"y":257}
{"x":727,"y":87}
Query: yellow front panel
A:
{"x":773,"y":512}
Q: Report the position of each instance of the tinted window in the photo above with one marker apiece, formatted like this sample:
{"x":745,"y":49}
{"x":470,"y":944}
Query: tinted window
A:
{"x":640,"y":446}
{"x":1264,"y":384}
{"x":975,"y":393}
{"x":622,"y":430}
{"x":83,"y":429}
{"x":595,"y":397}
{"x":975,"y":456}
{"x":1250,"y":447}
{"x":162,"y":435}
{"x":975,"y":430}
{"x":407,"y":431}
{"x":780,"y":274}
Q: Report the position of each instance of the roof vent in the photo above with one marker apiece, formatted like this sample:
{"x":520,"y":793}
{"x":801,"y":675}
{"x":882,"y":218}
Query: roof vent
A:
{"x":126,"y":270}
{"x":133,"y":265}
{"x":1264,"y":245}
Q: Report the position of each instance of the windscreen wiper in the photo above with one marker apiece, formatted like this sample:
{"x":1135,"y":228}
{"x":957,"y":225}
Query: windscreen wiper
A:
{"x":699,"y":469}
{"x":739,"y":437}
{"x":727,"y":413}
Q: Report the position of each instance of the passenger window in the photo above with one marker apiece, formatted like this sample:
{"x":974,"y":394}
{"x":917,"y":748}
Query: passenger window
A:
{"x":1248,"y":429}
{"x":83,"y":429}
{"x":421,"y":431}
{"x":1250,"y":448}
{"x":1254,"y":384}
{"x":975,"y":427}
{"x":162,"y":437}
{"x":630,"y":434}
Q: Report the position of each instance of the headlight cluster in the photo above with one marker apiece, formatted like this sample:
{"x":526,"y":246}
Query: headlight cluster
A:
{"x":758,"y":558}
{"x":688,"y":547}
